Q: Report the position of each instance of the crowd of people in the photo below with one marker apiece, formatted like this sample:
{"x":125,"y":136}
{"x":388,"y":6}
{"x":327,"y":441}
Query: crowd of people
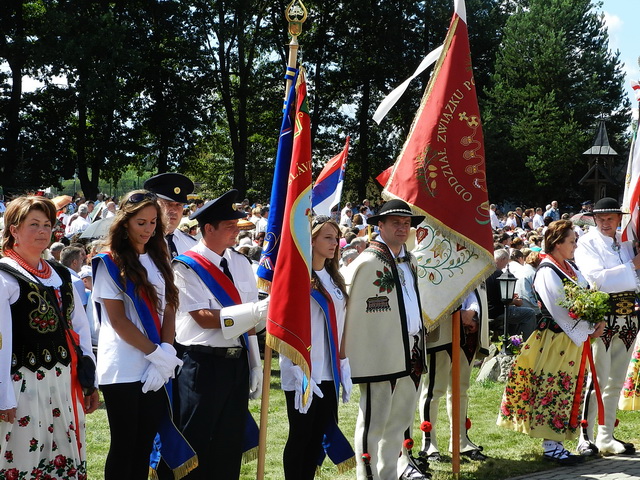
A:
{"x":162,"y":314}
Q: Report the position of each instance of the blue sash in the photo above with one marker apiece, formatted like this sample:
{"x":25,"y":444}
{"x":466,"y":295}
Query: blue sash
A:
{"x":224,"y":291}
{"x":176,"y":451}
{"x":326,"y":305}
{"x":334,"y":443}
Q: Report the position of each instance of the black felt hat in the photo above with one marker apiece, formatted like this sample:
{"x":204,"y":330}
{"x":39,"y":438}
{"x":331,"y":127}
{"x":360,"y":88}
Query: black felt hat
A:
{"x":606,"y":205}
{"x":396,"y":207}
{"x":170,"y":186}
{"x":221,"y":208}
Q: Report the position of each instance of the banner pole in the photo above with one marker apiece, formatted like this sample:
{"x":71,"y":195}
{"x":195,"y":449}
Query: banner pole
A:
{"x":296,"y":14}
{"x":455,"y":394}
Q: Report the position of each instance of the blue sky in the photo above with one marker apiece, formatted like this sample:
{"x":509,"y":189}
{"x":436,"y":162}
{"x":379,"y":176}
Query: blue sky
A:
{"x":622,"y":23}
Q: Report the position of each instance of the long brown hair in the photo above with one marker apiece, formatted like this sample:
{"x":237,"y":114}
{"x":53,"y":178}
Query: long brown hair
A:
{"x":331,"y":265}
{"x":125,"y":256}
{"x":17,"y":211}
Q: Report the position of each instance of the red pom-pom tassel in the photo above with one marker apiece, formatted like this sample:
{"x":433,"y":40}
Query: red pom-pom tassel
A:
{"x":408,"y":443}
{"x":617,"y":422}
{"x":366,"y":458}
{"x":584,"y":423}
{"x":425,"y":426}
{"x":467,"y":424}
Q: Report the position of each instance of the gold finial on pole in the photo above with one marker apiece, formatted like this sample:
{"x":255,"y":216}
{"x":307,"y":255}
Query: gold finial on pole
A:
{"x":296,"y":14}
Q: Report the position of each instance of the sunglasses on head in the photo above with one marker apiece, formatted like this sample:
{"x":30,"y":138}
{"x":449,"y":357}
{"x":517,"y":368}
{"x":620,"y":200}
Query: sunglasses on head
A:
{"x":319,"y":220}
{"x":139,"y":197}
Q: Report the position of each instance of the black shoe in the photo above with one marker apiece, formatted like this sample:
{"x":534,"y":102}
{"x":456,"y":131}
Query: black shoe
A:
{"x":412,"y":473}
{"x":588,"y":449}
{"x":561,"y":456}
{"x":629,"y":448}
{"x":475,"y":454}
{"x":432,"y":457}
{"x":421,"y":461}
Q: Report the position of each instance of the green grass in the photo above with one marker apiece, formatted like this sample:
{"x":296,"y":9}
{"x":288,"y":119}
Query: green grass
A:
{"x":511,"y":454}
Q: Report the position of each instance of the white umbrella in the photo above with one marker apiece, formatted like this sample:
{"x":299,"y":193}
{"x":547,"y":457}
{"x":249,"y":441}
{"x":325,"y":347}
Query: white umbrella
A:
{"x":98,"y":229}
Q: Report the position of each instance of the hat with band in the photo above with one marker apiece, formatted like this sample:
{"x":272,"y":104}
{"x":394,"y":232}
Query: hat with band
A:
{"x":173,"y":187}
{"x":398,"y":208}
{"x":606,"y":205}
{"x":222,"y":208}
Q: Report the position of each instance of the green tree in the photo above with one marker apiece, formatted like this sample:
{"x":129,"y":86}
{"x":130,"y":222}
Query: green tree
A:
{"x":554,"y":77}
{"x":19,"y":22}
{"x":356,"y":56}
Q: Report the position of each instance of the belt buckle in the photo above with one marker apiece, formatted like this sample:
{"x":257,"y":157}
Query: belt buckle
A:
{"x":233,"y":352}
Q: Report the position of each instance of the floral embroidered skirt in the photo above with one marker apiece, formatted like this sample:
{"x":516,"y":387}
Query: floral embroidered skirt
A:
{"x":630,"y":395}
{"x":43,"y":441}
{"x":541,"y":388}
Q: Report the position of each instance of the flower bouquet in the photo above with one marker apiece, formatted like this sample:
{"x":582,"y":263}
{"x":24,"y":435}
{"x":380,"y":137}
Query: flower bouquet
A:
{"x":584,"y":304}
{"x":512,"y":344}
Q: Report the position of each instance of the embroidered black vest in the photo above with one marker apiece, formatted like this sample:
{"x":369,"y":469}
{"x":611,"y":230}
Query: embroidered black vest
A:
{"x":39,"y":336}
{"x":547,"y":321}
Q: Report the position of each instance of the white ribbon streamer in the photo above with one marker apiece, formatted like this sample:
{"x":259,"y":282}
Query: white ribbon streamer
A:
{"x":391,"y":99}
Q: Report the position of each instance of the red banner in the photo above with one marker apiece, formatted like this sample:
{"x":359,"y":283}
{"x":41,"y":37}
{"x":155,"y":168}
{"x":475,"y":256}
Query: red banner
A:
{"x":441,"y":173}
{"x":289,"y":316}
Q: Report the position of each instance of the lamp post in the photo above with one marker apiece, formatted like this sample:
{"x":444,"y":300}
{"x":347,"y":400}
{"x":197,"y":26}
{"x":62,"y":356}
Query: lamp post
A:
{"x":507,"y":282}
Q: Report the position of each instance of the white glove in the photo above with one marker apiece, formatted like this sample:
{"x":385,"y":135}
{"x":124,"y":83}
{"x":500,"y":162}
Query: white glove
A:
{"x":260,"y":309}
{"x":255,"y":375}
{"x":165,"y":360}
{"x":152,"y":379}
{"x":345,"y":379}
{"x":238,"y":319}
{"x":255,"y":383}
{"x":298,"y":375}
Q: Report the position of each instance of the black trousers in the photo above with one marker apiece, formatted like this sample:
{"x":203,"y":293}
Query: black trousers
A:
{"x":214,"y":400}
{"x":134,"y":418}
{"x":306,"y":431}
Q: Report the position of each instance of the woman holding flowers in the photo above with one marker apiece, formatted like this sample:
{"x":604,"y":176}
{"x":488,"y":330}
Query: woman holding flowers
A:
{"x":546,"y":384}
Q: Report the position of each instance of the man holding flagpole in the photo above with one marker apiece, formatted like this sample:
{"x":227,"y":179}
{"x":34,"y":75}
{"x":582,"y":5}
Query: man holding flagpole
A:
{"x":384,"y":340}
{"x":222,"y":367}
{"x":440,"y":173}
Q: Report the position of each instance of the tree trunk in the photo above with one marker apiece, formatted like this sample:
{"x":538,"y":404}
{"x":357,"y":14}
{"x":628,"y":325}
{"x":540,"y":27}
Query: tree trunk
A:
{"x":16,"y":59}
{"x":363,"y":140}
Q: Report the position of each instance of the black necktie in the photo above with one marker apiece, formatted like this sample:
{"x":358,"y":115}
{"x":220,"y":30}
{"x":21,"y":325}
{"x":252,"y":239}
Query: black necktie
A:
{"x":172,"y":246}
{"x":225,"y":268}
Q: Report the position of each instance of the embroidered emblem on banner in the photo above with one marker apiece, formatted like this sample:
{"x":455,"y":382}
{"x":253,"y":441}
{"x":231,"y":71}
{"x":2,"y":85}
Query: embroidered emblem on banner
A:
{"x":378,"y":304}
{"x":439,"y":257}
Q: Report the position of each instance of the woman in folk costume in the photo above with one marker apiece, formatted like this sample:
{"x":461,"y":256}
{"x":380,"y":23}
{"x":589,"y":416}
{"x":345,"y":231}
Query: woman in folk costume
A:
{"x":308,"y":423}
{"x":546,"y":384}
{"x":134,"y":292}
{"x":42,"y":404}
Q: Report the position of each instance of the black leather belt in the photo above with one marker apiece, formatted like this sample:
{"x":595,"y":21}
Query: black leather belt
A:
{"x":224,"y":352}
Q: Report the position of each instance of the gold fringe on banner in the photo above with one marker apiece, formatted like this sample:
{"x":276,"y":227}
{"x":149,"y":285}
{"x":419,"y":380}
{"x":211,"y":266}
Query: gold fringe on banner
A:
{"x":178,"y":472}
{"x":250,"y":455}
{"x":264,"y":285}
{"x":347,"y":465}
{"x":294,"y":355}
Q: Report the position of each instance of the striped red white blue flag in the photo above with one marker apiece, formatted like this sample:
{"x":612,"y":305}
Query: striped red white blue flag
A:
{"x":327,"y":190}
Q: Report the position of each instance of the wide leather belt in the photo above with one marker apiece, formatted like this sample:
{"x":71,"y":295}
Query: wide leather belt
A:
{"x":224,"y":352}
{"x":622,"y":303}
